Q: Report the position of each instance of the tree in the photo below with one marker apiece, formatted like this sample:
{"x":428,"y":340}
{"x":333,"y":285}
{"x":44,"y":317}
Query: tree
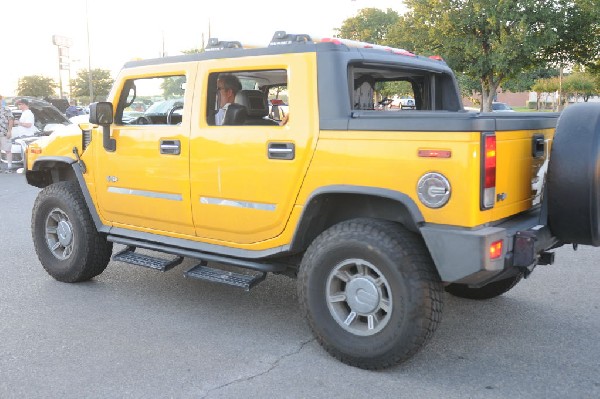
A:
{"x":545,"y":86}
{"x":578,"y":27}
{"x":101,"y":81}
{"x":580,"y":84}
{"x":469,"y":88}
{"x":369,"y":25}
{"x":526,"y":79}
{"x":172,"y":87}
{"x":495,"y":40}
{"x":36,"y":86}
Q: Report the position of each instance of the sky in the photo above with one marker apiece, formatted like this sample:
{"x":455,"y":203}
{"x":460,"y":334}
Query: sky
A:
{"x":121,"y":30}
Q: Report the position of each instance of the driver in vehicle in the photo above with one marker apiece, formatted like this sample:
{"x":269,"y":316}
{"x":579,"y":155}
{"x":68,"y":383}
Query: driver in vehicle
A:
{"x":228,"y":86}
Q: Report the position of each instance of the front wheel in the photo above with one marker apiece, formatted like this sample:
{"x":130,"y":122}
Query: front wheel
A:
{"x":370,"y":292}
{"x":64,"y":235}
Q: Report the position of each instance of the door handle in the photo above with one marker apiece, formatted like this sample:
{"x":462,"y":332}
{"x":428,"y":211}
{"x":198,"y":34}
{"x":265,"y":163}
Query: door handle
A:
{"x":282,"y":151}
{"x":538,"y":146}
{"x":170,"y":147}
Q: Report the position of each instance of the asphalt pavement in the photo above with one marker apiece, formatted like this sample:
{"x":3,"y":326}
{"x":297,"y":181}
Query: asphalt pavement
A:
{"x":136,"y":333}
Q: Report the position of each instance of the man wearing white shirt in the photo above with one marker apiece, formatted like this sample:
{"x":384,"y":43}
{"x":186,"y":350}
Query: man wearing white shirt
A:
{"x":227,"y":87}
{"x":26,"y":123}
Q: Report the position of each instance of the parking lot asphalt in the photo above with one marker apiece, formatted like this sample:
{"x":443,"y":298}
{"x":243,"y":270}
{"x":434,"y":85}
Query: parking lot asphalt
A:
{"x":136,"y":333}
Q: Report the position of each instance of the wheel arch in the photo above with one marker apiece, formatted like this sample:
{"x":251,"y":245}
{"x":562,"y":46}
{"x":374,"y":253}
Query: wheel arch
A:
{"x":50,"y":170}
{"x":330,"y":205}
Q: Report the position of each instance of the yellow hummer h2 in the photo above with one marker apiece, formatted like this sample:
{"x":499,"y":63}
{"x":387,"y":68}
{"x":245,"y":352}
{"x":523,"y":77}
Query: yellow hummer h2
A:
{"x":375,"y":211}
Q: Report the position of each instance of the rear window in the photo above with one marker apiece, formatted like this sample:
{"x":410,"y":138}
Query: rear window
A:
{"x":384,"y":87}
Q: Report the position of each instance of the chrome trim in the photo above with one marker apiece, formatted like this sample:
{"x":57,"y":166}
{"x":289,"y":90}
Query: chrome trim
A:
{"x":144,"y":193}
{"x":281,"y":150}
{"x":237,"y":204}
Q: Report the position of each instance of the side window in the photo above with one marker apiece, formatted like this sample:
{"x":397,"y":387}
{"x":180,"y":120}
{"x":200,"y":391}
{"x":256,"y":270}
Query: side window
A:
{"x":247,"y":98}
{"x":386,"y":89}
{"x":152,"y":101}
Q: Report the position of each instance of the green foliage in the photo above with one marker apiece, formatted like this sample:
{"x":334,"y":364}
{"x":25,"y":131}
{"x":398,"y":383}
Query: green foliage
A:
{"x":580,"y":84}
{"x":369,"y":25}
{"x":391,"y":89}
{"x":525,"y":80}
{"x":544,"y":88}
{"x":193,"y":51}
{"x":469,"y":88}
{"x":172,"y":87}
{"x":36,"y":86}
{"x":494,"y":41}
{"x":101,"y":80}
{"x":578,"y":30}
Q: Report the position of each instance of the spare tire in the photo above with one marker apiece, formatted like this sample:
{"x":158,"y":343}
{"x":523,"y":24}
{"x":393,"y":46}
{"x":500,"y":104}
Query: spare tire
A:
{"x":574,"y":176}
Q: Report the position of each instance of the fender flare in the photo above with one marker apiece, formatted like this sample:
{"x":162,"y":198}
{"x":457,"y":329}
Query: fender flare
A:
{"x":389,"y":204}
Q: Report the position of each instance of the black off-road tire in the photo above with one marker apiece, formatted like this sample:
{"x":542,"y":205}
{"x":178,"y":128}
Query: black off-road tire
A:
{"x":65,"y":237}
{"x":370,"y":254}
{"x":488,"y":291}
{"x":574,"y":176}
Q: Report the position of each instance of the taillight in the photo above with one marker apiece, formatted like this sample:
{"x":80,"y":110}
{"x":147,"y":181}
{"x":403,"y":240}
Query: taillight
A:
{"x":496,"y":249}
{"x":488,"y":170}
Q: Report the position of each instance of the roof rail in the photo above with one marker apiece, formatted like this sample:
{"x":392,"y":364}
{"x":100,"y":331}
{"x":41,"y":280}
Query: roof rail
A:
{"x":215,"y":45}
{"x":282,"y":38}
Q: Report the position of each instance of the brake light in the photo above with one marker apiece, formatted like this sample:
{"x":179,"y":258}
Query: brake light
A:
{"x":488,"y":171}
{"x":496,"y":249}
{"x":359,"y":44}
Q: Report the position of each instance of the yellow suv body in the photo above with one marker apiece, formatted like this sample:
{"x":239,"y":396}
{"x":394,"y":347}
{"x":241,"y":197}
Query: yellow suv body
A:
{"x":376,"y":210}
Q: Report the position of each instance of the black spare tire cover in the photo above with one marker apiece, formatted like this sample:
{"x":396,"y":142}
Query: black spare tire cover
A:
{"x":574,"y":176}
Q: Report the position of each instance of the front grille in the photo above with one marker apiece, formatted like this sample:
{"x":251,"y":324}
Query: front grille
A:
{"x":16,"y":157}
{"x":86,"y":138}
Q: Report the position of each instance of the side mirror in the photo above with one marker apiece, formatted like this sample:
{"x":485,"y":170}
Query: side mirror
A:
{"x":101,"y":113}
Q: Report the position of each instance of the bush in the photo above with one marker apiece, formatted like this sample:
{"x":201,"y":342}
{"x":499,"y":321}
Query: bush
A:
{"x":546,"y":105}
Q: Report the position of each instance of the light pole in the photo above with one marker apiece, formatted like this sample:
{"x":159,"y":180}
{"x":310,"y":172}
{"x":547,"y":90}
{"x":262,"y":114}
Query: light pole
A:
{"x":90,"y":83}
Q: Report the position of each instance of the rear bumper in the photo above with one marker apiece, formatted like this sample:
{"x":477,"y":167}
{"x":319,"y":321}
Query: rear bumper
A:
{"x":462,"y":255}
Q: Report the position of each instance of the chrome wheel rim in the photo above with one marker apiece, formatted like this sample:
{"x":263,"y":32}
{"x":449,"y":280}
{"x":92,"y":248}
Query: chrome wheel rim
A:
{"x":59,"y":234}
{"x":359,"y":297}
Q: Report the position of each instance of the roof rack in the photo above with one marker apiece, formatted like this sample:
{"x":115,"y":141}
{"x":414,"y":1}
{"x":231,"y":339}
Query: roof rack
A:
{"x":282,"y":38}
{"x":215,"y":45}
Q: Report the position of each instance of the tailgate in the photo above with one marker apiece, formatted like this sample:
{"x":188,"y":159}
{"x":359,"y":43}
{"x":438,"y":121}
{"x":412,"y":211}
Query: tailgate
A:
{"x":521,"y":163}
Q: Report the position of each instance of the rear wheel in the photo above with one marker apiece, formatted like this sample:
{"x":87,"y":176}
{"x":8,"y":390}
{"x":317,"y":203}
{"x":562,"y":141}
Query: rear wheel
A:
{"x":488,"y":291}
{"x":65,"y":237}
{"x":370,"y":292}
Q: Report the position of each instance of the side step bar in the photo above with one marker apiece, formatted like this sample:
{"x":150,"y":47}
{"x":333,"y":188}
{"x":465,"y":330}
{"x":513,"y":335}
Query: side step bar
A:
{"x":128,"y":255}
{"x":245,"y":281}
{"x":266,"y":267}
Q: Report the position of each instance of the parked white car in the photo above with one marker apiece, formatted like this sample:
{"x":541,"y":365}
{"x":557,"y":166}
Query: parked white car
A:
{"x":47,"y":119}
{"x":403,"y":103}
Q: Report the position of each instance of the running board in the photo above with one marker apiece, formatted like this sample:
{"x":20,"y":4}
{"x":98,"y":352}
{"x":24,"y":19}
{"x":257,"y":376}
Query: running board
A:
{"x":240,"y":280}
{"x":256,"y":265}
{"x":128,"y":255}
